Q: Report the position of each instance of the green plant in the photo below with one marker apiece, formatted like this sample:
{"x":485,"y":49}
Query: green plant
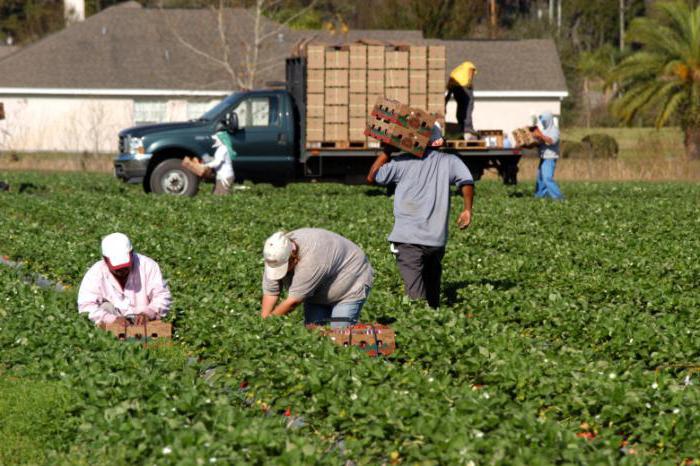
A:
{"x":600,"y":146}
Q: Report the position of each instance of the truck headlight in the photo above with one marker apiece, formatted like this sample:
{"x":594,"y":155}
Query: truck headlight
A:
{"x":136,"y":146}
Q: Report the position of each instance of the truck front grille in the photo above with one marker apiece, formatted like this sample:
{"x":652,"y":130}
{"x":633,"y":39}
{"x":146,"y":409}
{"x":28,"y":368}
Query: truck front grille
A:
{"x":122,"y":144}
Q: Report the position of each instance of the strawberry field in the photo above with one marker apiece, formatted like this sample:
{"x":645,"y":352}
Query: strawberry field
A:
{"x":569,"y":333}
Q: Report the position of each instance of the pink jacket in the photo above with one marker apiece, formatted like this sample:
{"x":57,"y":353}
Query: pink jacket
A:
{"x":145,"y":291}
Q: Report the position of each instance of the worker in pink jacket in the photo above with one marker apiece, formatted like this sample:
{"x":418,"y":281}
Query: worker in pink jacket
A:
{"x":123,"y":286}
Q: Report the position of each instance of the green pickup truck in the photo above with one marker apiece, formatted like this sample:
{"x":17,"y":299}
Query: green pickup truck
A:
{"x":267,"y":131}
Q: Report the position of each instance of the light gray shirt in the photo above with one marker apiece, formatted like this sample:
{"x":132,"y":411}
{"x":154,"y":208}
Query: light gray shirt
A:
{"x":549,"y":129}
{"x":331,"y":269}
{"x":422,"y":198}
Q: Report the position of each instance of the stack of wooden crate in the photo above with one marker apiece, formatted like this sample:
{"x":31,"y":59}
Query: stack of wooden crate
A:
{"x":344,"y":83}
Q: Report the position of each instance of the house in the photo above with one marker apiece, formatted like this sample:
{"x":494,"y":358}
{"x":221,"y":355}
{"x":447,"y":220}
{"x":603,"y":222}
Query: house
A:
{"x":128,"y":65}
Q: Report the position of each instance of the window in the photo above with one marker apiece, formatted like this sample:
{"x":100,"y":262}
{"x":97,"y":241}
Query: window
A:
{"x":258,"y":111}
{"x":149,"y":112}
{"x":197,"y":109}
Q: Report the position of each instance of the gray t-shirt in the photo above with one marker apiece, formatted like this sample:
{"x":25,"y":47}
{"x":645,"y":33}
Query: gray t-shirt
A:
{"x":331,"y":269}
{"x":422,"y":198}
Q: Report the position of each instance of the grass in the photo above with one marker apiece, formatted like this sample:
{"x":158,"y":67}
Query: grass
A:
{"x":636,"y":143}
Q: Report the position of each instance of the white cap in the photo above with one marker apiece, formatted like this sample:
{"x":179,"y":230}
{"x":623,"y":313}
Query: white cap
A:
{"x":116,"y":249}
{"x":276,"y":252}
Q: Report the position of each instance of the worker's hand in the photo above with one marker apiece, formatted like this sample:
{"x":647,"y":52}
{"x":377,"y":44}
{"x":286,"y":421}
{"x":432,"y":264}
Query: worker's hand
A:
{"x":141,"y":319}
{"x":120,"y":320}
{"x":465,"y":218}
{"x":265,"y":315}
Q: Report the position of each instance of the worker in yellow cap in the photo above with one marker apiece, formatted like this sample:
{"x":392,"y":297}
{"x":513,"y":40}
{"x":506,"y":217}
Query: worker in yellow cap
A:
{"x":460,"y":86}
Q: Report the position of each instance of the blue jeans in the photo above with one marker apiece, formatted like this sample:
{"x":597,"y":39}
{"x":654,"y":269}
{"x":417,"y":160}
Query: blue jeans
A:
{"x":545,"y":185}
{"x":347,"y":313}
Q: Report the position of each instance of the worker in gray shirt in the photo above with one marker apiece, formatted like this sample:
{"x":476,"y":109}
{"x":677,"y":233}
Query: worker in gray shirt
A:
{"x":421,"y":212}
{"x":327,"y":272}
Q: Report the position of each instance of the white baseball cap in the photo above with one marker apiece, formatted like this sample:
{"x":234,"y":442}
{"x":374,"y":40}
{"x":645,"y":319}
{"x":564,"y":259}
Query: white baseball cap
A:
{"x":116,"y":249}
{"x":276,"y":252}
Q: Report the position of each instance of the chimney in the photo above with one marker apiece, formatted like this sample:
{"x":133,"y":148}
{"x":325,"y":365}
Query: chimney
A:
{"x":74,"y":10}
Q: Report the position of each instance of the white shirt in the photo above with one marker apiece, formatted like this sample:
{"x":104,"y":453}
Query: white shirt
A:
{"x":221,"y":163}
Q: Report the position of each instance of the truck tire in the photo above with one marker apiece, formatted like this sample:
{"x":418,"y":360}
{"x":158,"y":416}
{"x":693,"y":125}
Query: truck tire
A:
{"x":169,"y":177}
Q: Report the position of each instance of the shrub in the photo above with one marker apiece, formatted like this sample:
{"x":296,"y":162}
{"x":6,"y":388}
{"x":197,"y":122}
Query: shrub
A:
{"x":601,"y":146}
{"x":574,"y":150}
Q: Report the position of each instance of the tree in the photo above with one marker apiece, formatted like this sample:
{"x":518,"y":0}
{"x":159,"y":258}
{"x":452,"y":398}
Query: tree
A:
{"x":594,"y":67}
{"x":663,"y":76}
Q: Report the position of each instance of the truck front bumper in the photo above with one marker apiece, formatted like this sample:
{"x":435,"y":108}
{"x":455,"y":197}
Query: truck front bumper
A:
{"x":131,"y":168}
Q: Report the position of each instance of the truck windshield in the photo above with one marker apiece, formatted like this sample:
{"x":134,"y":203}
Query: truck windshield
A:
{"x":218,"y":108}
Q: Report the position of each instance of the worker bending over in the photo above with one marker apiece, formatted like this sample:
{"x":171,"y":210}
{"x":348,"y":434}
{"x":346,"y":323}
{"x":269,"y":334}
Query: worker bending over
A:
{"x":123,"y":286}
{"x":460,"y":85}
{"x":327,"y":272}
{"x":421,"y":212}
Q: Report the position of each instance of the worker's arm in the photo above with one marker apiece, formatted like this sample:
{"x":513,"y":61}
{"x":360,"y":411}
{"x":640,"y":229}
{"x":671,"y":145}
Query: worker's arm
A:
{"x":267,"y":305}
{"x":218,"y":159}
{"x":381,"y":160}
{"x":285,"y":307}
{"x":465,"y":218}
{"x":538,"y":134}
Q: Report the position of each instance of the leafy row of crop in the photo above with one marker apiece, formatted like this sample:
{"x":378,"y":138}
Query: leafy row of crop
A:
{"x":554,"y":315}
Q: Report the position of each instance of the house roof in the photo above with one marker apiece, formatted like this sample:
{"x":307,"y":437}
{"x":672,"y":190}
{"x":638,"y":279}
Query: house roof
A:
{"x":127,"y":47}
{"x":6,"y":50}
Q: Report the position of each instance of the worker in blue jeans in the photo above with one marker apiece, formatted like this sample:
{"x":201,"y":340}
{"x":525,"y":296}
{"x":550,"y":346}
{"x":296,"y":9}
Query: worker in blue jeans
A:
{"x":548,"y":137}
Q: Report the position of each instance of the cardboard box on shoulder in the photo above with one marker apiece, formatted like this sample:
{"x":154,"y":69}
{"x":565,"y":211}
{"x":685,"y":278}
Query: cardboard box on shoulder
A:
{"x":395,"y":123}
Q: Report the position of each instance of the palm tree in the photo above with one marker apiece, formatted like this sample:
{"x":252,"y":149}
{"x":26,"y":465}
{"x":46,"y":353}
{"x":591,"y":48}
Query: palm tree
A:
{"x":664,"y":74}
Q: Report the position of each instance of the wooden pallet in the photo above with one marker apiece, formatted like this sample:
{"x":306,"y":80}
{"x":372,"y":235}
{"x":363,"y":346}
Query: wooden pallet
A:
{"x":461,"y":144}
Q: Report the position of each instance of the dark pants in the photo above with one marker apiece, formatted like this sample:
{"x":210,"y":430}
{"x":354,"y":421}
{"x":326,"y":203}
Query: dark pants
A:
{"x":421,"y":270}
{"x":465,"y":106}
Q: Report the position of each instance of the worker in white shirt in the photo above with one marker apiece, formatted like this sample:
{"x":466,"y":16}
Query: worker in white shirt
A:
{"x":222,"y":163}
{"x":123,"y":286}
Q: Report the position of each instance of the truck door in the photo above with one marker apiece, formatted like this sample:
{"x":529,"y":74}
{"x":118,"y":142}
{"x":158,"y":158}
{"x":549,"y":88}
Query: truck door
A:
{"x":264,"y":147}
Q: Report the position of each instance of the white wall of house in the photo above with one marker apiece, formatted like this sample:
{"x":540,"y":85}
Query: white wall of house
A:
{"x":506,"y":114}
{"x":86,"y":123}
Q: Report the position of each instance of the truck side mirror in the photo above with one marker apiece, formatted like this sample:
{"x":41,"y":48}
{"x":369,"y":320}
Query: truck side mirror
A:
{"x":231,"y":122}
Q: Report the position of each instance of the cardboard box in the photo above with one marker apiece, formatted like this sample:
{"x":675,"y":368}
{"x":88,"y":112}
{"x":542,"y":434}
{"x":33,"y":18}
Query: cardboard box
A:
{"x":315,"y":104}
{"x":397,"y":93}
{"x":375,"y":81}
{"x":195,"y":166}
{"x":337,"y":78}
{"x":436,"y":57}
{"x":358,"y":105}
{"x":397,"y":136}
{"x":523,"y":137}
{"x":358,"y":81}
{"x":373,"y":339}
{"x":315,"y":81}
{"x":315,"y":57}
{"x":336,"y":114}
{"x":418,"y":81}
{"x":436,"y":103}
{"x":336,"y":96}
{"x":396,"y":78}
{"x":314,"y":129}
{"x":418,"y":57}
{"x":373,"y":99}
{"x":396,"y":59}
{"x":437,"y":81}
{"x":375,"y":57}
{"x":357,"y":128}
{"x":337,"y":59}
{"x":335,"y":132}
{"x":418,"y":101}
{"x":358,"y":56}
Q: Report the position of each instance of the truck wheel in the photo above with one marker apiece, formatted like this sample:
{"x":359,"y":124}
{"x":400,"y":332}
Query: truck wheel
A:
{"x":169,"y":177}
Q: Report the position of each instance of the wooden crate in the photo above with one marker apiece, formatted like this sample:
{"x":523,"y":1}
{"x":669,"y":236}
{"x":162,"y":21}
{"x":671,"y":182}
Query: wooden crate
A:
{"x":374,"y":339}
{"x":152,"y":330}
{"x":195,"y":166}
